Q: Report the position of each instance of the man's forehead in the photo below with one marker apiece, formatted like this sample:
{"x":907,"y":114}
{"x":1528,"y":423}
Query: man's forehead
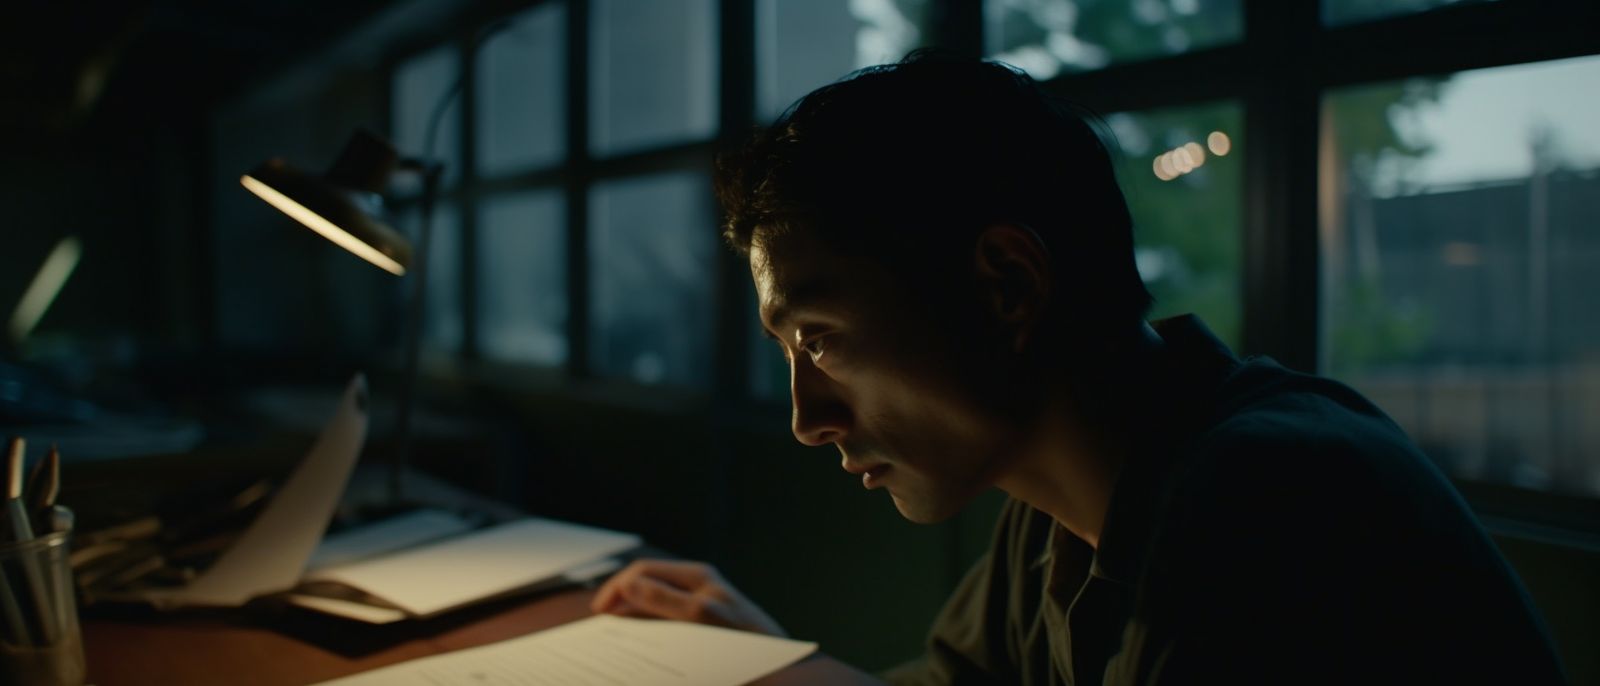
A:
{"x":791,"y":269}
{"x":787,"y":258}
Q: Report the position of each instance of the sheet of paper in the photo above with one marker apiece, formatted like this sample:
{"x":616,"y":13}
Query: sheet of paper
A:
{"x":348,"y":609}
{"x":602,"y":651}
{"x":375,"y":539}
{"x":440,"y":576}
{"x":363,"y":610}
{"x":272,"y":553}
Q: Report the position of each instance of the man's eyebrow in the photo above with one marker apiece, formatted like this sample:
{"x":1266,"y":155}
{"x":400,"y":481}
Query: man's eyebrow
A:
{"x":803,"y":296}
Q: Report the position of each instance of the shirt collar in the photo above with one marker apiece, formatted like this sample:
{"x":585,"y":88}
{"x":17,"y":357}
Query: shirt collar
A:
{"x":1195,"y":363}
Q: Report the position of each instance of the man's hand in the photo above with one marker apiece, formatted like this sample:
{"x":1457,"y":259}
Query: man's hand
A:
{"x":688,"y":591}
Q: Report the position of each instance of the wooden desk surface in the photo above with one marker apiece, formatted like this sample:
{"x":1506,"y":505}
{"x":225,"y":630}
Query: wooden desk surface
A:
{"x":294,"y":648}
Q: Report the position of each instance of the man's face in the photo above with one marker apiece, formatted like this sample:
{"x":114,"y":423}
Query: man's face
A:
{"x":905,"y":386}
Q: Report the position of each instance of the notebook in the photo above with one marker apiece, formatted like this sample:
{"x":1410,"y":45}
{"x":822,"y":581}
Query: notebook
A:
{"x":457,"y":568}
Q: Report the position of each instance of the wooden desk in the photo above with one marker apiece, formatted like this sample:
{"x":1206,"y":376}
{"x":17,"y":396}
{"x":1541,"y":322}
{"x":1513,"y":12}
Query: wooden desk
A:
{"x":293,"y":647}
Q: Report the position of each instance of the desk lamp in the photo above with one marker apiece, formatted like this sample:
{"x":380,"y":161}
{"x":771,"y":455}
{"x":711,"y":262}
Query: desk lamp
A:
{"x":343,"y":206}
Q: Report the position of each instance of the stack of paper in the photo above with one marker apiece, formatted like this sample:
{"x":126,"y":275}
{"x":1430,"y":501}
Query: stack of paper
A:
{"x":446,"y":574}
{"x":613,"y":651}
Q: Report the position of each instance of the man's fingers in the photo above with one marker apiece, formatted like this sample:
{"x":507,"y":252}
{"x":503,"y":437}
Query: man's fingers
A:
{"x":685,"y":575}
{"x":655,"y":597}
{"x":604,"y":598}
{"x":610,"y":592}
{"x":661,"y":588}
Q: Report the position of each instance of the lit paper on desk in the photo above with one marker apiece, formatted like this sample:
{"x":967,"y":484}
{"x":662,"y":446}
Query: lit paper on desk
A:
{"x":465,"y":569}
{"x":613,"y":651}
{"x":372,"y":540}
{"x":271,"y":554}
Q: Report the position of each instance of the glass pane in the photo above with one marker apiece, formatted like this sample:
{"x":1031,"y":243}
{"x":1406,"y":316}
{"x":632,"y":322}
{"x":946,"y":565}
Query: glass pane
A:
{"x":654,"y":73}
{"x":420,"y":84}
{"x":652,"y":248}
{"x":769,"y":371}
{"x":441,"y":327}
{"x":521,"y":91}
{"x":1458,"y":253}
{"x":804,"y":44}
{"x":1335,"y":12}
{"x":1047,"y":37}
{"x":522,"y":287}
{"x":1182,"y":171}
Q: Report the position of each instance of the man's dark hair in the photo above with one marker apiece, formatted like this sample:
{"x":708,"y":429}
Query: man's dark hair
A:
{"x":909,"y":161}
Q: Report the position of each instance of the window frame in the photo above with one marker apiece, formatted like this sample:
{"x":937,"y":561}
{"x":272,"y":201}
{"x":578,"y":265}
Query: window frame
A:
{"x":1279,"y":70}
{"x":1284,"y":63}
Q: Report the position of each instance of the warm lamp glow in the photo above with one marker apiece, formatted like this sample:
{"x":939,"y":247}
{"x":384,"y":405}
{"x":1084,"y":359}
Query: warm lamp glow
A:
{"x":317,"y":223}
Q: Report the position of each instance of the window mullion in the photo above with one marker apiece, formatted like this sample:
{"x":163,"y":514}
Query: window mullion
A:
{"x":467,"y":208}
{"x":1280,"y":219}
{"x":737,"y":106}
{"x":579,"y":178}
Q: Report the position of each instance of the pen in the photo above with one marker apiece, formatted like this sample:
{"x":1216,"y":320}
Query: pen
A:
{"x":8,"y":597}
{"x":21,"y":532}
{"x":16,"y":512}
{"x":44,"y":485}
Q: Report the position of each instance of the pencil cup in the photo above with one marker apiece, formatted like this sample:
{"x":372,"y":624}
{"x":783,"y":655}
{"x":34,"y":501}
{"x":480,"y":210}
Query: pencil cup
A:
{"x":39,"y":638}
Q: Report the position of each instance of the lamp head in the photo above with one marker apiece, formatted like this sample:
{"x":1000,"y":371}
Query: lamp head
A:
{"x":342,"y":205}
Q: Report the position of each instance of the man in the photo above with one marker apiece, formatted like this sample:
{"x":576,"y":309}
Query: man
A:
{"x":942,"y":252}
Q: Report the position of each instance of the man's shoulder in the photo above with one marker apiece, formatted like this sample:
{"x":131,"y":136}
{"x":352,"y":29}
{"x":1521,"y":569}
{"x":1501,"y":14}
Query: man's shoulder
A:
{"x":1279,"y":431}
{"x":1266,"y":412}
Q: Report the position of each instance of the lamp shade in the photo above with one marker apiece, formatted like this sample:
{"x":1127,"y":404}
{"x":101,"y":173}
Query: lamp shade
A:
{"x":337,"y":205}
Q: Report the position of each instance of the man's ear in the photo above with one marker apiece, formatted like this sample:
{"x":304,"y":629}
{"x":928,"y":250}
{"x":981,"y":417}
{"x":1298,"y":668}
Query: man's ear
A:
{"x":1013,"y":275}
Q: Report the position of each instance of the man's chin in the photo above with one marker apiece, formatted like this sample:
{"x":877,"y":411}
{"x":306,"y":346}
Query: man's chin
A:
{"x":918,"y":511}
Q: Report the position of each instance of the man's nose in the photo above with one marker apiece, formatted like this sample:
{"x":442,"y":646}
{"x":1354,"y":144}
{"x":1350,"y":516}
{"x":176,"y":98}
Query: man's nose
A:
{"x":820,"y":415}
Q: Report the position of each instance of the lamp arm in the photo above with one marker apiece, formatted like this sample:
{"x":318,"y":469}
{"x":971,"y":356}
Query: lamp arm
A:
{"x":455,"y":88}
{"x":432,"y":172}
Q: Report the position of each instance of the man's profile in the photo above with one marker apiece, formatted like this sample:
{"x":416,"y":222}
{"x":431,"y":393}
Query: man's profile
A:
{"x":944,"y":255}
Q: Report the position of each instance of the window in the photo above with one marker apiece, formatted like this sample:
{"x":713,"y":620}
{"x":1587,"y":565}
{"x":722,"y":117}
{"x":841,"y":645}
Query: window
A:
{"x":420,"y":84}
{"x":654,"y":73}
{"x":768,"y":369}
{"x":1049,"y":37}
{"x":523,"y":269}
{"x":1335,"y":12}
{"x":804,"y":44}
{"x":1405,"y":208}
{"x":646,"y":222}
{"x":1181,"y":171}
{"x":651,"y":250}
{"x":442,"y":321}
{"x":1458,"y":253}
{"x":521,"y":93}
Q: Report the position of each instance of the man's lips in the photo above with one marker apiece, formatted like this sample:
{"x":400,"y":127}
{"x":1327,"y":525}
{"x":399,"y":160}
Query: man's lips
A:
{"x":871,"y":475}
{"x":873,"y":478}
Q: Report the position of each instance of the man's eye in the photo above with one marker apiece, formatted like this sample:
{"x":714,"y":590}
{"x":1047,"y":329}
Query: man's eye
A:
{"x":814,"y":348}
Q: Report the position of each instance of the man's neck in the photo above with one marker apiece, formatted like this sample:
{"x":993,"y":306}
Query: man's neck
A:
{"x":1069,"y":465}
